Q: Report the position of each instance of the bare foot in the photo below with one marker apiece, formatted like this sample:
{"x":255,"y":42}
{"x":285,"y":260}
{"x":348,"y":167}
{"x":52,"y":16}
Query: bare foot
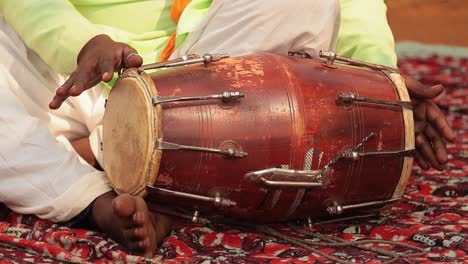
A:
{"x":126,"y":219}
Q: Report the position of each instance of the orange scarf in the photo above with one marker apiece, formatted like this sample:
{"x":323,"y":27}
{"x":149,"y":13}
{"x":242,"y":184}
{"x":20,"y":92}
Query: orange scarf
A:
{"x":177,"y":8}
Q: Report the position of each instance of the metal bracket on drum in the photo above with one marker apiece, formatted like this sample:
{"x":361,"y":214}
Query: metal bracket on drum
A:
{"x":162,"y":64}
{"x":354,"y":148}
{"x":217,"y":200}
{"x":184,"y":60}
{"x":226,"y":97}
{"x":276,"y":177}
{"x":351,"y":153}
{"x":230,"y":151}
{"x":335,"y":208}
{"x":354,"y":155}
{"x":348,"y":99}
{"x":331,"y":57}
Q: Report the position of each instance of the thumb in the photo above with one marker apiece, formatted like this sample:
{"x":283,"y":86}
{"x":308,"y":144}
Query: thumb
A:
{"x":131,"y":58}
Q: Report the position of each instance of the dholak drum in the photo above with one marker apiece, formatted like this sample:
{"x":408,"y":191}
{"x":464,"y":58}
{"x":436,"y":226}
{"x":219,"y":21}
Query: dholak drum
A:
{"x":261,"y":137}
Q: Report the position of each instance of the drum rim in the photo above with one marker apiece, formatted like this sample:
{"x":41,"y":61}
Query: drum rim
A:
{"x":399,"y":84}
{"x":144,"y":83}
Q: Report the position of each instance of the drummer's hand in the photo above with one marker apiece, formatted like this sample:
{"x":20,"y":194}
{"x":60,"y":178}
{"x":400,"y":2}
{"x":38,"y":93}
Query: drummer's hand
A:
{"x":97,"y":61}
{"x":431,"y":127}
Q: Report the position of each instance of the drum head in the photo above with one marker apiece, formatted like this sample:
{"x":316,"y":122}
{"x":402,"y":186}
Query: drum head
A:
{"x":131,"y":126}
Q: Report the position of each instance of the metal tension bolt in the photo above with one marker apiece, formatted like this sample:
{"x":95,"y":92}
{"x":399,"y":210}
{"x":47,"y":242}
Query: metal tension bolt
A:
{"x":196,"y":217}
{"x":335,"y":209}
{"x":330,"y":56}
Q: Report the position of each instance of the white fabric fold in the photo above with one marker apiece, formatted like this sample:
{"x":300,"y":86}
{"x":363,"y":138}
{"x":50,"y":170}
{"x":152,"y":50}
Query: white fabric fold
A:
{"x":40,"y":173}
{"x":278,"y":26}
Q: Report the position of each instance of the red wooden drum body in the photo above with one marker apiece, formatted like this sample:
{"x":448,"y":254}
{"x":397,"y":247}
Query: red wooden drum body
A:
{"x":290,"y":118}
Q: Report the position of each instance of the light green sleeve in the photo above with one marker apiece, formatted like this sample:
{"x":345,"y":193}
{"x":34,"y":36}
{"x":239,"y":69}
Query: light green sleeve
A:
{"x":365,"y":34}
{"x":52,"y":28}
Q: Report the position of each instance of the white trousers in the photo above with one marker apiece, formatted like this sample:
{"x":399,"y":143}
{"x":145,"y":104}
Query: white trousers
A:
{"x":39,"y":171}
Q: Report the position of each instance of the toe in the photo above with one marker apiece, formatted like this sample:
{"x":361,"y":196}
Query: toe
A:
{"x":135,"y":234}
{"x":146,"y":247}
{"x":141,"y":247}
{"x":140,"y":216}
{"x":135,"y":247}
{"x":140,"y":232}
{"x":124,"y":205}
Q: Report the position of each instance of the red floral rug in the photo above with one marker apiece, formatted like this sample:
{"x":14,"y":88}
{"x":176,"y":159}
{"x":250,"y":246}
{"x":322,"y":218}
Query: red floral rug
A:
{"x":433,"y":215}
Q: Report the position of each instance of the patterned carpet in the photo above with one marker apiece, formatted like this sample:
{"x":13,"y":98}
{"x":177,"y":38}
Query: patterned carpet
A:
{"x":433,"y":214}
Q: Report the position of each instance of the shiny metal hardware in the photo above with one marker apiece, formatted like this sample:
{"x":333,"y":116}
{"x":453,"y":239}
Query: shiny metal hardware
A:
{"x":217,"y":200}
{"x":178,"y":212}
{"x":196,"y":217}
{"x":351,"y":153}
{"x":340,"y":219}
{"x":309,"y":222}
{"x":348,"y":99}
{"x":226,"y":97}
{"x":354,"y":155}
{"x":364,"y":140}
{"x":331,"y":57}
{"x":184,"y":60}
{"x":229,"y":152}
{"x":121,"y":71}
{"x":354,"y":148}
{"x":309,"y":156}
{"x":276,"y":177}
{"x":335,"y":209}
{"x":162,"y":64}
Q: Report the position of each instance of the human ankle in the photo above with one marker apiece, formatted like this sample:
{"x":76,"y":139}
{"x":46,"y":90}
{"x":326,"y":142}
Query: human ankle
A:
{"x":101,"y":211}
